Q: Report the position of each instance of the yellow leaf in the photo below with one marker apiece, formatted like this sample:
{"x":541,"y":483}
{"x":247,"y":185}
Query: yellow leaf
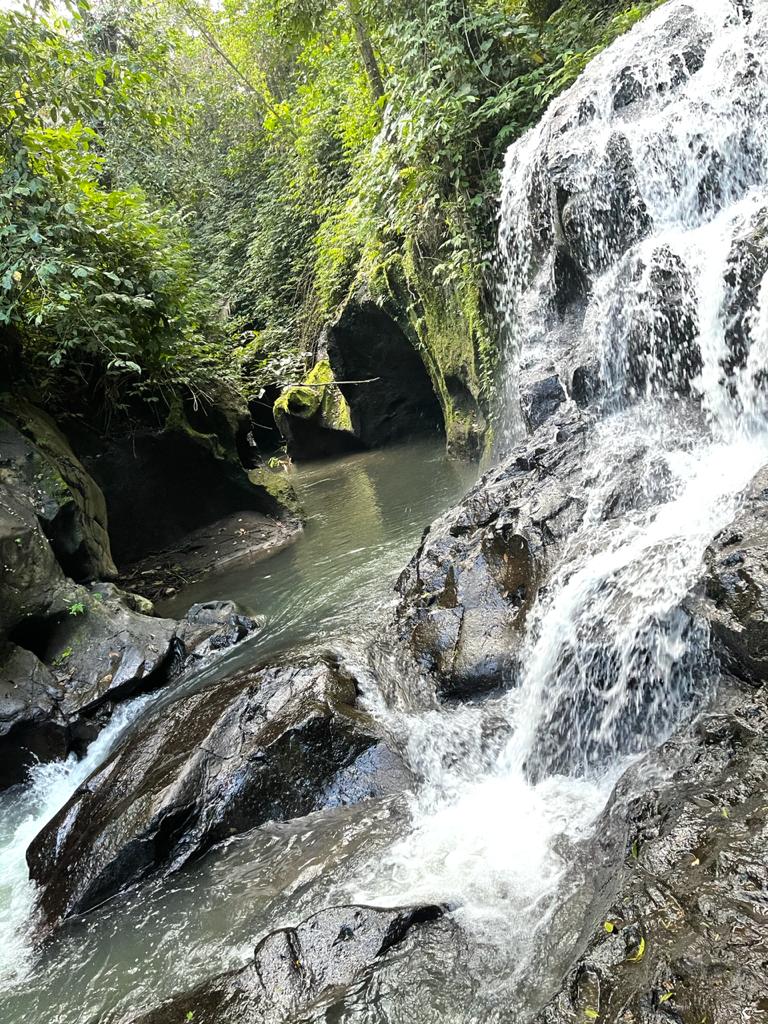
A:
{"x":609,"y":926}
{"x":666,"y":996}
{"x":640,"y":952}
{"x":591,"y":1014}
{"x":17,"y":276}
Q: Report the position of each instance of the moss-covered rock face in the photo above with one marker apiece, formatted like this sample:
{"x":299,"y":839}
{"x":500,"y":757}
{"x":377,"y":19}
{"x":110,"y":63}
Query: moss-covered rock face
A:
{"x":450,"y":328}
{"x":36,"y":459}
{"x":314,"y":417}
{"x":279,"y":487}
{"x":163,"y":484}
{"x":442,"y":368}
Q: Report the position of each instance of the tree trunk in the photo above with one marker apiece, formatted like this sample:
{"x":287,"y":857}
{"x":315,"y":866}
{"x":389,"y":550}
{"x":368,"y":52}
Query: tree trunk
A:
{"x":367,"y":55}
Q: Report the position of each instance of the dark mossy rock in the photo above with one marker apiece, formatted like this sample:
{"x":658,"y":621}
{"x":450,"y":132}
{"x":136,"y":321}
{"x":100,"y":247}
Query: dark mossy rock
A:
{"x":32,"y":725}
{"x":737,"y":586}
{"x":465,"y":596}
{"x":31,"y":579}
{"x":366,"y":343}
{"x":71,"y":652}
{"x":683,"y":937}
{"x":63,"y":672}
{"x":262,"y":745}
{"x":450,"y":330}
{"x":224,"y":415}
{"x":37,"y":459}
{"x":296,"y":969}
{"x":163,"y":484}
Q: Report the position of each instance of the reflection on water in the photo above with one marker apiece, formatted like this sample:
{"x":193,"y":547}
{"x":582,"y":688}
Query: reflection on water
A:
{"x":365,"y":515}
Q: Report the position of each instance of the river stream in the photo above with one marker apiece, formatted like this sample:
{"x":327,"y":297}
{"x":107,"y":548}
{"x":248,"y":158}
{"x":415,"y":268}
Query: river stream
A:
{"x":365,"y":514}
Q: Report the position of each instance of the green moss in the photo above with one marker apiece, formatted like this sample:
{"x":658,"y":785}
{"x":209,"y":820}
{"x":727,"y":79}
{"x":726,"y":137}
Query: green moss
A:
{"x":448,"y":327}
{"x":278,"y":487}
{"x":177,"y":420}
{"x":317,"y":394}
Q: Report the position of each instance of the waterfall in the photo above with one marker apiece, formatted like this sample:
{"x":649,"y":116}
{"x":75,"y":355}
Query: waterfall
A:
{"x":631,"y":221}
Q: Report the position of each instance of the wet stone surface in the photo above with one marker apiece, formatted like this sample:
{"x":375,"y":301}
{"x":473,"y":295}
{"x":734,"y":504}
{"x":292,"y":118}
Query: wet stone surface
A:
{"x":264,"y":745}
{"x":294,"y":968}
{"x":684,"y":937}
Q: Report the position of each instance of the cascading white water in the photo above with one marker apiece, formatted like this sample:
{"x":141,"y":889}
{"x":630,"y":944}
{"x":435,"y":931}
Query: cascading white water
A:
{"x":49,"y":788}
{"x":623,"y":213}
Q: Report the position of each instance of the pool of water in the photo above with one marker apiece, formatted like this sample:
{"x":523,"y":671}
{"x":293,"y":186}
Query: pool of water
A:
{"x":365,"y":515}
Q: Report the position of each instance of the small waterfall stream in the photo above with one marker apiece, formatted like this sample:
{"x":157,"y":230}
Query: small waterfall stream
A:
{"x":619,"y":218}
{"x":622,"y":215}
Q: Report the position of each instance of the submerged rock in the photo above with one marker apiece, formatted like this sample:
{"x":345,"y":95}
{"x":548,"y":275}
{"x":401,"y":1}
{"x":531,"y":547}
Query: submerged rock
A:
{"x":295,"y":969}
{"x":263,"y":745}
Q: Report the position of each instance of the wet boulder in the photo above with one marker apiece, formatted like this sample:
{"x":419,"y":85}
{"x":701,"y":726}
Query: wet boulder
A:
{"x":659,"y":326}
{"x":101,"y":647}
{"x":680,"y":47}
{"x":296,"y":970}
{"x":601,"y":218}
{"x":64,"y":668}
{"x":736,"y":586}
{"x":586,"y":383}
{"x":71,"y":652}
{"x":263,"y":745}
{"x":465,"y":596}
{"x":681,"y":936}
{"x":746,"y":268}
{"x":541,"y":399}
{"x":32,"y":725}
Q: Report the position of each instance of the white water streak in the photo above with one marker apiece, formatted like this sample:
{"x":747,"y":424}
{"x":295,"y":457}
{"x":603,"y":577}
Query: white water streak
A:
{"x":22,"y":815}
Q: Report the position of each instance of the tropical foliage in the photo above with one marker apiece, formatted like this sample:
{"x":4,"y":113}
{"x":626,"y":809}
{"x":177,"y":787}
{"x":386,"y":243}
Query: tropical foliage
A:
{"x":189,"y":190}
